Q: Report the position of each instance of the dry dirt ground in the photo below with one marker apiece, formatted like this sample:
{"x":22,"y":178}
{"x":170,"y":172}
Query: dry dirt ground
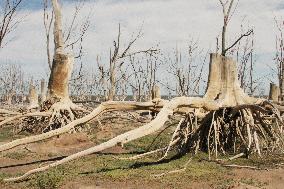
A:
{"x":105,"y":170}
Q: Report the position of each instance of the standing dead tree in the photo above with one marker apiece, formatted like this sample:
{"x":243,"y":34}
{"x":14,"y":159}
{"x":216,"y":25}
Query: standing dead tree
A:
{"x":227,"y":7}
{"x":118,"y":56}
{"x":279,"y":57}
{"x":8,"y":19}
{"x":143,"y":75}
{"x":58,"y":105}
{"x":11,"y":81}
{"x":74,"y":33}
{"x":186,"y":71}
{"x":244,"y":53}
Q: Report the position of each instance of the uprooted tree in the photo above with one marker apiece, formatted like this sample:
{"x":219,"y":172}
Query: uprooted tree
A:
{"x":225,"y":120}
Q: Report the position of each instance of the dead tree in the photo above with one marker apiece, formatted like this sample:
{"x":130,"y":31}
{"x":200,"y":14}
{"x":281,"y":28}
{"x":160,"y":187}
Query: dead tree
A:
{"x":143,"y":75}
{"x":279,"y":57}
{"x":187,"y":74}
{"x":156,"y":92}
{"x":9,"y":19}
{"x":118,"y":55}
{"x":58,"y":105}
{"x":11,"y":80}
{"x":73,"y":35}
{"x":227,"y":7}
{"x":62,"y":63}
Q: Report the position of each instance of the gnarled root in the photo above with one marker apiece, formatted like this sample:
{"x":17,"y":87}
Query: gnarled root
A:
{"x":61,"y":112}
{"x":19,"y":116}
{"x":240,"y":129}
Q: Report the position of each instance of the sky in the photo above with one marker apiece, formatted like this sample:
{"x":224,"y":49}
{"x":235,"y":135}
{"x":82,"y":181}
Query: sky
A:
{"x":169,"y":23}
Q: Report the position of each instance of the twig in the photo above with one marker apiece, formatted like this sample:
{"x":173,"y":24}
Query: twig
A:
{"x":242,"y":167}
{"x":175,"y":171}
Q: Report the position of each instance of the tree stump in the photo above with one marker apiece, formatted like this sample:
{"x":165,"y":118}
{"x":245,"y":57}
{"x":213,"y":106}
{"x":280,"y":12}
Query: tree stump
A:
{"x":33,"y":97}
{"x":156,"y":92}
{"x":274,"y":92}
{"x":223,"y":85}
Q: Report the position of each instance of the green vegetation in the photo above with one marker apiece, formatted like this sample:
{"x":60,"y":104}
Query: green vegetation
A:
{"x":108,"y":168}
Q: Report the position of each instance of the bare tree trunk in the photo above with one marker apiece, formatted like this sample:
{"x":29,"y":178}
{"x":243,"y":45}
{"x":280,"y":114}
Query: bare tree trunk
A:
{"x":223,"y":82}
{"x":60,"y":74}
{"x":112,"y":81}
{"x":62,"y":63}
{"x":274,"y":92}
{"x":224,"y":39}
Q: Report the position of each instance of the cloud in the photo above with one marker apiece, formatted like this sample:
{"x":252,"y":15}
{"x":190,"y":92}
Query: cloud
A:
{"x":168,"y":22}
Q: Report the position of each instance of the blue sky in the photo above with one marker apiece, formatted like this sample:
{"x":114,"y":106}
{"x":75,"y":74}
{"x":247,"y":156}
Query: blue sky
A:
{"x":170,"y":23}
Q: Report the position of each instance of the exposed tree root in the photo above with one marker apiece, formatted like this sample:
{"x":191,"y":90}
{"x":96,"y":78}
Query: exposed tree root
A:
{"x":242,"y":166}
{"x":231,"y":122}
{"x":104,"y":107}
{"x":175,"y":171}
{"x":10,"y":119}
{"x":61,"y":112}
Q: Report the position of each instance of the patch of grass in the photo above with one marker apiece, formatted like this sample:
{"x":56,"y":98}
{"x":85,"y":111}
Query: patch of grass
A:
{"x":2,"y":176}
{"x":152,"y":141}
{"x":107,"y":167}
{"x":49,"y":180}
{"x":15,"y":155}
{"x":5,"y":134}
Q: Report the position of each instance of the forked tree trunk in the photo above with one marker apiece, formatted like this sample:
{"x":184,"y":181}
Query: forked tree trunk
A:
{"x":223,"y":84}
{"x":274,"y":92}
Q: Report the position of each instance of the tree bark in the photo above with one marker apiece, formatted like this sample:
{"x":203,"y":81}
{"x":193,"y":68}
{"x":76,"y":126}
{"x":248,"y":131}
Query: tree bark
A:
{"x":224,"y":39}
{"x":60,"y":75}
{"x":223,"y":84}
